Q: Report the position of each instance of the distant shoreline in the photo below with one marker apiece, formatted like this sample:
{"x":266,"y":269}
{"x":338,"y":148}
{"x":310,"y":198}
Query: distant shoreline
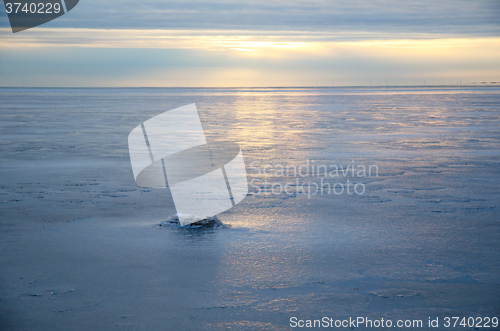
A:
{"x":262,"y":87}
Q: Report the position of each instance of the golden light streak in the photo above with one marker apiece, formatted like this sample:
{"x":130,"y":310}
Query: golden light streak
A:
{"x":259,"y":43}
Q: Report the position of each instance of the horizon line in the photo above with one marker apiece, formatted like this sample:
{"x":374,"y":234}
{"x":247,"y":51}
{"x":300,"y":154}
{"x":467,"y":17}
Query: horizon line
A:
{"x":249,"y":87}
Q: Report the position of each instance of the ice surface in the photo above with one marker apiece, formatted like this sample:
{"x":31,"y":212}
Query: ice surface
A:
{"x":423,"y":241}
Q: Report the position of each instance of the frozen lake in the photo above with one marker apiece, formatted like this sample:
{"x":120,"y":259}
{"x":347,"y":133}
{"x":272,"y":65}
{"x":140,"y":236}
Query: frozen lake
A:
{"x":418,"y":238}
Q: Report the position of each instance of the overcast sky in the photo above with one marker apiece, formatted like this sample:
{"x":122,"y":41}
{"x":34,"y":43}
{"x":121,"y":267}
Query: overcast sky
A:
{"x":257,"y":43}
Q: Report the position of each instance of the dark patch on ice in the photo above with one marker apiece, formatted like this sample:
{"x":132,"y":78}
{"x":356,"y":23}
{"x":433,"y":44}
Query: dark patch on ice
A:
{"x":26,"y":149}
{"x":442,"y":211}
{"x":71,"y":309}
{"x":402,"y":191}
{"x":63,"y":292}
{"x":217,"y":307}
{"x":429,"y":189}
{"x":76,"y":219}
{"x":395,"y":293}
{"x":314,"y":283}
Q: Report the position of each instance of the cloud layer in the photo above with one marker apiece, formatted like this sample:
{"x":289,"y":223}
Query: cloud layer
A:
{"x":459,"y":17}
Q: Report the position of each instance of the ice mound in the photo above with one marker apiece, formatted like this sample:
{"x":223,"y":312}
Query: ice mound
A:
{"x":192,"y":221}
